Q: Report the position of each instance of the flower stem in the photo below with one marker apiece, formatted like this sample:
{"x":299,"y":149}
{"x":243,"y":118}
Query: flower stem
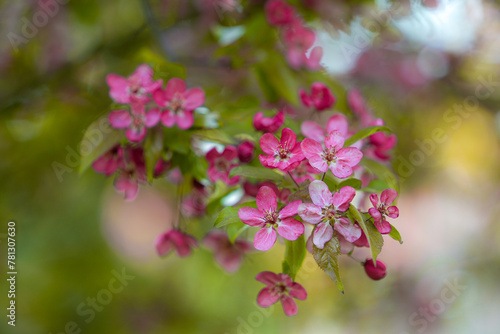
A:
{"x":323,"y":177}
{"x":352,"y":257}
{"x":293,"y":179}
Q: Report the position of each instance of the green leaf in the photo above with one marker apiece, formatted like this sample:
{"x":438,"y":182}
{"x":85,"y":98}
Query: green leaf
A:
{"x":382,"y":172}
{"x":374,"y":237}
{"x":260,"y":173}
{"x":228,"y":35}
{"x":368,"y":131}
{"x":234,"y":230}
{"x":294,"y":256}
{"x":153,"y":148}
{"x":99,"y":138}
{"x":352,"y":182}
{"x":229,"y":215}
{"x":376,"y":186}
{"x":205,"y":119}
{"x":395,"y":234}
{"x":327,"y":259}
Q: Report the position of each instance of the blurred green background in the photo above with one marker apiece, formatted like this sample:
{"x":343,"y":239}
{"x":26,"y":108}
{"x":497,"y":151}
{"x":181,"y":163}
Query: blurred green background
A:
{"x":424,"y":72}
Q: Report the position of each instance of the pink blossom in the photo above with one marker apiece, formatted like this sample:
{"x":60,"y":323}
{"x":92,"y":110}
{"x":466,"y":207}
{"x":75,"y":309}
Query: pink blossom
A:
{"x":279,"y":13}
{"x":227,"y":254}
{"x":252,"y":190}
{"x":304,"y":171}
{"x":176,"y":240}
{"x":327,"y":210}
{"x":380,"y":143}
{"x":339,"y":160}
{"x":220,"y":164}
{"x":267,"y":216}
{"x":313,"y":130}
{"x":179,"y":103}
{"x":161,"y":167}
{"x":135,"y":121}
{"x":268,"y":124}
{"x":379,"y":211}
{"x":280,"y":287}
{"x":321,"y":98}
{"x":134,"y":88}
{"x":109,"y":162}
{"x":298,"y":41}
{"x":132,"y":173}
{"x":284,"y":154}
{"x":375,"y":272}
{"x":195,"y":204}
{"x":362,"y":241}
{"x":358,"y":106}
{"x":245,"y":151}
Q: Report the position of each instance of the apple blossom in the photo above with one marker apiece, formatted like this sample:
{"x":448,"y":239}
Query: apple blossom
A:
{"x":379,"y":211}
{"x":280,"y":287}
{"x":284,"y":154}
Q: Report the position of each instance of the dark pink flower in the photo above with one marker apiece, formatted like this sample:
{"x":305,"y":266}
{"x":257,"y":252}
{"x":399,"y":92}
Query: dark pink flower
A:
{"x":252,"y":190}
{"x":245,"y":151}
{"x":134,"y":88}
{"x":339,"y":160}
{"x":284,"y":154}
{"x":161,"y":167}
{"x":179,"y":103}
{"x":229,"y":255}
{"x":321,"y":98}
{"x":279,"y":13}
{"x":132,"y":173}
{"x":220,"y":164}
{"x":362,"y":241}
{"x":195,"y":204}
{"x":176,"y":240}
{"x":268,"y":124}
{"x":135,"y":121}
{"x":327,"y":210}
{"x":280,"y":287}
{"x":358,"y":106}
{"x":380,"y":143}
{"x":267,"y":216}
{"x":298,"y":41}
{"x":109,"y":162}
{"x":379,"y":211}
{"x":375,"y":272}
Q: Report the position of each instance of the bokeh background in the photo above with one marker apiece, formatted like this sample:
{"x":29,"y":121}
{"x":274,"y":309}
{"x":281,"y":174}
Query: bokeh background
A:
{"x":431,"y":70}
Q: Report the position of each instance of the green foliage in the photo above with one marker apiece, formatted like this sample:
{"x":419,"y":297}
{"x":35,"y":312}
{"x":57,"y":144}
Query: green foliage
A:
{"x":381,"y":172}
{"x":327,"y":260}
{"x":153,"y":149}
{"x":259,"y":173}
{"x":395,"y":235}
{"x":229,"y":215}
{"x":294,"y":256}
{"x":352,"y":182}
{"x":374,"y":237}
{"x":366,"y":132}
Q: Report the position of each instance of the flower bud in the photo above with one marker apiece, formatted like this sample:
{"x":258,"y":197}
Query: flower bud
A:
{"x":245,"y":151}
{"x":375,"y":272}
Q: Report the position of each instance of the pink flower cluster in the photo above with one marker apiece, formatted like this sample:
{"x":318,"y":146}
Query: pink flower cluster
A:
{"x":149,"y":104}
{"x":298,"y":39}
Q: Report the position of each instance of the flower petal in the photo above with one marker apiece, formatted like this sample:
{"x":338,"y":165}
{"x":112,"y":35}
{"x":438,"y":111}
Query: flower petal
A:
{"x":335,"y":140}
{"x":374,"y":200}
{"x":268,"y":144}
{"x":267,"y":297}
{"x":268,"y":278}
{"x":152,"y":117}
{"x":194,"y":98}
{"x":388,"y":196}
{"x":230,"y":259}
{"x":185,"y":119}
{"x":290,"y":228}
{"x":163,"y":244}
{"x":350,"y":156}
{"x":168,"y":118}
{"x":251,"y":216}
{"x":311,"y":148}
{"x":322,"y":234}
{"x":311,"y":213}
{"x":118,"y":85}
{"x":267,"y":200}
{"x":393,"y":212}
{"x":174,"y":85}
{"x":341,"y":170}
{"x":383,"y":226}
{"x":318,"y":163}
{"x":320,"y":194}
{"x":288,"y":139}
{"x":312,"y":130}
{"x":128,"y":187}
{"x":265,"y":239}
{"x":289,"y":305}
{"x":298,"y":291}
{"x":337,"y":122}
{"x":342,"y":198}
{"x":349,"y":231}
{"x":136,"y":135}
{"x":120,"y":119}
{"x":290,"y":209}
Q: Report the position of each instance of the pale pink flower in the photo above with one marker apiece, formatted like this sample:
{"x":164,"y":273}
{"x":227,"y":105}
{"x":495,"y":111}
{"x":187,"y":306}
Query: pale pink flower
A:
{"x":375,"y":272}
{"x":135,"y":121}
{"x":179,"y":103}
{"x":321,"y":98}
{"x":280,"y":287}
{"x":195,"y":204}
{"x":132,"y":173}
{"x":284,"y":154}
{"x":358,"y":106}
{"x":304,"y":171}
{"x":279,"y":13}
{"x":379,"y":211}
{"x":227,"y":254}
{"x":313,"y":130}
{"x":298,"y":40}
{"x":135,"y":88}
{"x":332,"y":156}
{"x":327,"y":210}
{"x":176,"y":240}
{"x":268,"y":124}
{"x":220,"y":164}
{"x":270,"y":219}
